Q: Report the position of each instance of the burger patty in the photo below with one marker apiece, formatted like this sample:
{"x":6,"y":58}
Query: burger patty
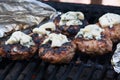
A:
{"x":94,"y":46}
{"x":71,"y":30}
{"x":63,"y":54}
{"x":18,"y":52}
{"x":113,"y":33}
{"x":37,"y":39}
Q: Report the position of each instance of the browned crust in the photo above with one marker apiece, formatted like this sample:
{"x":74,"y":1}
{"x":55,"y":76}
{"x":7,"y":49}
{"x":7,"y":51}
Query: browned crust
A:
{"x":113,"y":33}
{"x":2,"y":52}
{"x":57,"y":20}
{"x":19,"y":55}
{"x":94,"y":46}
{"x":69,"y":30}
{"x":63,"y":54}
{"x":19,"y":52}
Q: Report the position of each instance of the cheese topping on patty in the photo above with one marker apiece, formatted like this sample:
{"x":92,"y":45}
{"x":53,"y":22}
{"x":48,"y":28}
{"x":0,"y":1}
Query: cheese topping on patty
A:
{"x":92,"y":31}
{"x":57,"y":39}
{"x":71,"y":18}
{"x":20,"y":37}
{"x":42,"y":29}
{"x":109,"y":19}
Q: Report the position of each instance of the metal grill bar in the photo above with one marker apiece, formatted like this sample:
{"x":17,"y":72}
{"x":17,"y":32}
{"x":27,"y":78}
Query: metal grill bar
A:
{"x":90,"y":73}
{"x":98,"y":73}
{"x":79,"y":72}
{"x":15,"y":71}
{"x":42,"y":71}
{"x":67,"y":72}
{"x":55,"y":70}
{"x":30,"y":71}
{"x":118,"y":78}
{"x":27,"y":71}
{"x":6,"y":71}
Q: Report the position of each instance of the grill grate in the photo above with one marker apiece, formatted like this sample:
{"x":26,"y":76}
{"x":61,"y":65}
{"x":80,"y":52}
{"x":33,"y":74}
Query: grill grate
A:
{"x":82,"y":67}
{"x":89,"y":69}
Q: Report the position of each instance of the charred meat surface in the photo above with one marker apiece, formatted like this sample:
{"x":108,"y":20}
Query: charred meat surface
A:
{"x":110,"y":22}
{"x":94,"y":47}
{"x":92,"y":40}
{"x":69,"y":28}
{"x":63,"y":54}
{"x":72,"y":29}
{"x":37,"y":39}
{"x":113,"y":33}
{"x":17,"y":51}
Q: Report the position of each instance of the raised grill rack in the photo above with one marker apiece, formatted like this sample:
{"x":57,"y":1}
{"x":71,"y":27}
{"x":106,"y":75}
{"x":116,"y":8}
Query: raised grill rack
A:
{"x":90,"y":68}
{"x":82,"y":67}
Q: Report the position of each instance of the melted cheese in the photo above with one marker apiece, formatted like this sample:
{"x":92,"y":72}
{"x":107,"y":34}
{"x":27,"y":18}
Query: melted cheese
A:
{"x":71,"y":18}
{"x":115,"y":61}
{"x":74,"y":22}
{"x":20,"y":37}
{"x":109,"y":19}
{"x":90,"y":32}
{"x":57,"y":39}
{"x":42,"y":29}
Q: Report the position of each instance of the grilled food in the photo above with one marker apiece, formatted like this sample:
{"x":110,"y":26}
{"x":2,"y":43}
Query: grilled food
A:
{"x":21,"y":14}
{"x":18,"y":46}
{"x":70,"y":22}
{"x":45,"y":29}
{"x":110,"y":22}
{"x":57,"y":49}
{"x":91,"y":40}
{"x":40,"y":33}
{"x":23,"y":46}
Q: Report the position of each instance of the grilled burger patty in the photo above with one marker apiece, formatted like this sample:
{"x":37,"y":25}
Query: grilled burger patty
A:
{"x":62,"y":54}
{"x":69,"y":30}
{"x":18,"y":52}
{"x":113,"y":33}
{"x":93,"y":40}
{"x":94,"y":46}
{"x":37,"y":39}
{"x":110,"y":22}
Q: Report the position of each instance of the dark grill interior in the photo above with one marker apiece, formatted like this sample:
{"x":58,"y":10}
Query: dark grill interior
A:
{"x":89,"y":68}
{"x":82,"y":67}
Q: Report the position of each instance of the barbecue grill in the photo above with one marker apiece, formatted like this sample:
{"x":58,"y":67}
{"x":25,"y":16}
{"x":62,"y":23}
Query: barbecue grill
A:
{"x":82,"y":67}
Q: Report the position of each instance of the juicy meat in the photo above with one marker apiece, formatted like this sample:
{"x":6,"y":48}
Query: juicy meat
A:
{"x":38,"y":39}
{"x":63,"y":54}
{"x":71,"y":30}
{"x":94,"y":46}
{"x":19,"y":52}
{"x":113,"y":33}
